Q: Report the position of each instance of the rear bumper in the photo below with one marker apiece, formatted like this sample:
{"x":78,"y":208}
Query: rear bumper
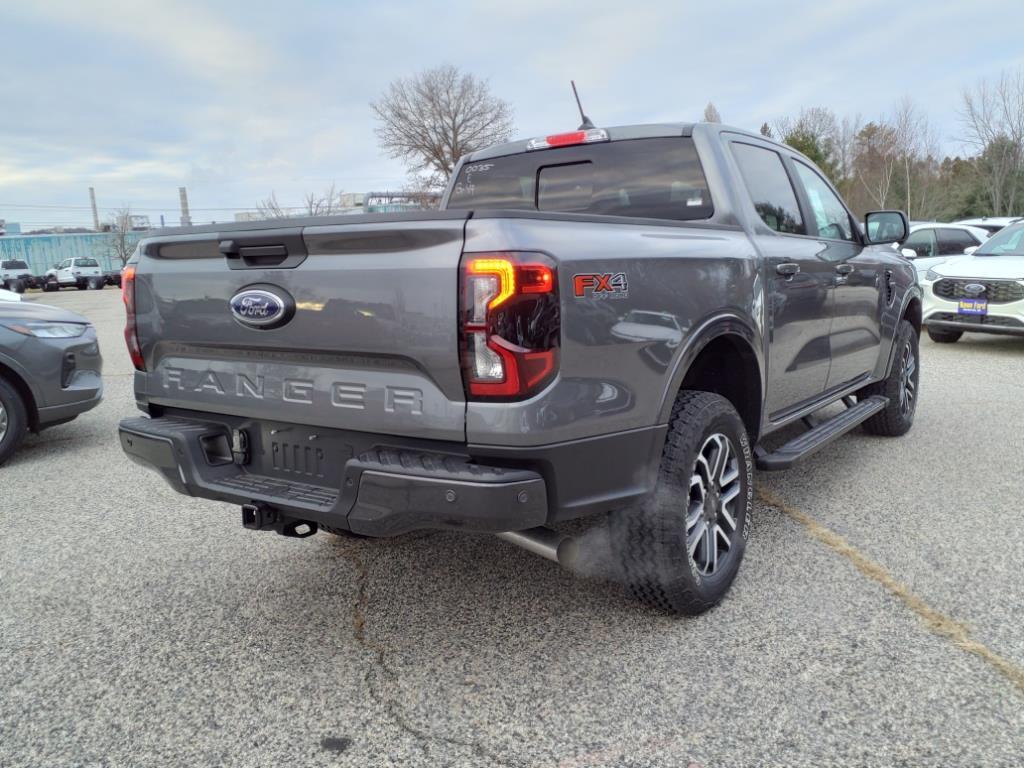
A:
{"x":380,"y":490}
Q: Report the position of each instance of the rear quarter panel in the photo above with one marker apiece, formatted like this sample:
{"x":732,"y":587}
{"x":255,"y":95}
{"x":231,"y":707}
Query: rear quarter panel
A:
{"x":612,"y":376}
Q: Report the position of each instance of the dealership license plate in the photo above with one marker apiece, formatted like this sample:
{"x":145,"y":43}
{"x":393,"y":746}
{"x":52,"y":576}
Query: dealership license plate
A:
{"x":972,"y":307}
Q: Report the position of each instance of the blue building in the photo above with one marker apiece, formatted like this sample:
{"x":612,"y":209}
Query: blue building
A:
{"x":41,"y":252}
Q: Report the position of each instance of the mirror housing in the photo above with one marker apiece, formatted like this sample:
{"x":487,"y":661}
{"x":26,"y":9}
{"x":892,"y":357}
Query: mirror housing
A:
{"x":970,"y":249}
{"x":909,"y":253}
{"x":882,"y":227}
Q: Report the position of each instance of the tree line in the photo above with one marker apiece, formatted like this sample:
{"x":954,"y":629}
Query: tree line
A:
{"x":894,"y":161}
{"x":431,"y":119}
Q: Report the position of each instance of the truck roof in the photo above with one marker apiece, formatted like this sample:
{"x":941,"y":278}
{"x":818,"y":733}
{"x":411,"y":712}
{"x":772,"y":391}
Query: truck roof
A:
{"x":622,"y":133}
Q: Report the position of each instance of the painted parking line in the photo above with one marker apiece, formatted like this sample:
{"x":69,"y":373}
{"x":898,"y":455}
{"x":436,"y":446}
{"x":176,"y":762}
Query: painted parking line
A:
{"x":934,"y":620}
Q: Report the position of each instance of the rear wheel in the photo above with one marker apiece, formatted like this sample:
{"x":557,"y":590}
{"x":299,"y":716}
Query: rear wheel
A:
{"x":82,"y":286}
{"x":13,"y":420}
{"x":18,"y":286}
{"x":944,"y":337}
{"x":97,"y":283}
{"x":901,"y":387}
{"x":680,"y":549}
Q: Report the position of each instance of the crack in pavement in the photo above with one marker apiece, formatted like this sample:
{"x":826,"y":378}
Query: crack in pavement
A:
{"x":393,"y":709}
{"x":935,"y":621}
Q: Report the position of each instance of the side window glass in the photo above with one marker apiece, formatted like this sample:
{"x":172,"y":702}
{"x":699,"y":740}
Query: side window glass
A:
{"x":953,"y":242}
{"x":922,"y":242}
{"x":829,"y":213}
{"x":770,"y":188}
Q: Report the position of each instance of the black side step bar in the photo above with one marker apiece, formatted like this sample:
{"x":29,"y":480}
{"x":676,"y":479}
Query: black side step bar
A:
{"x":821,"y":435}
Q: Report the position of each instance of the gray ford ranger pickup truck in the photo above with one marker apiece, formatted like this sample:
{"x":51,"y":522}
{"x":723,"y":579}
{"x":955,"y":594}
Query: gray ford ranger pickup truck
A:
{"x":618,"y":320}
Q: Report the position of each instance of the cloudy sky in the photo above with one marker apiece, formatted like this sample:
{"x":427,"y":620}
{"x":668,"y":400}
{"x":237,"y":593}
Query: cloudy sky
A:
{"x":238,"y":99}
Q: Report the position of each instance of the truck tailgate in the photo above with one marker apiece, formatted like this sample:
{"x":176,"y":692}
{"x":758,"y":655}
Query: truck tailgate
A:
{"x":371,"y":345}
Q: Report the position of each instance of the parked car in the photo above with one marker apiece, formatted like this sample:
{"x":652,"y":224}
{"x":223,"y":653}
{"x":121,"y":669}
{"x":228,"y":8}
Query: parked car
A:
{"x":931,"y":243}
{"x":80,"y":273}
{"x":479,"y":403}
{"x":991,"y":224}
{"x":50,"y":370}
{"x":980,"y":293}
{"x":16,"y":276}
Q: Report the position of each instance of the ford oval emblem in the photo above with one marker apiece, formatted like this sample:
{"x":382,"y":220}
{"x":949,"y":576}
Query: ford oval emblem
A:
{"x":974,"y":289}
{"x":261,"y":308}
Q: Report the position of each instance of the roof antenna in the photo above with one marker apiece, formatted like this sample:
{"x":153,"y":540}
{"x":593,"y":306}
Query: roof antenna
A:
{"x":586,"y":125}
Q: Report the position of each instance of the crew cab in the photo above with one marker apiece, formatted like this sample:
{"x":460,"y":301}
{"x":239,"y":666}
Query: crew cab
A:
{"x":80,"y":273}
{"x":16,"y":276}
{"x":612,"y":320}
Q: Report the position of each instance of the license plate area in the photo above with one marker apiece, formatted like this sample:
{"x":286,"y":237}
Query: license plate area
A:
{"x":972,"y":307}
{"x":300,"y":453}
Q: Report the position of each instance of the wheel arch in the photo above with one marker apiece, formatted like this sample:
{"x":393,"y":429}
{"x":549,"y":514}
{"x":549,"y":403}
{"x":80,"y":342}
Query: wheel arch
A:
{"x":21,"y":386}
{"x":722,"y":344}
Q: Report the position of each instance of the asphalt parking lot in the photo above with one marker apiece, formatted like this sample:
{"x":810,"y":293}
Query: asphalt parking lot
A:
{"x":876,"y":620}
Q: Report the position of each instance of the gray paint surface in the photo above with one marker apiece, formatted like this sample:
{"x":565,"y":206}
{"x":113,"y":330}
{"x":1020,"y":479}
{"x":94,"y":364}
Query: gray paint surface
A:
{"x":374,"y":342}
{"x":37,"y":362}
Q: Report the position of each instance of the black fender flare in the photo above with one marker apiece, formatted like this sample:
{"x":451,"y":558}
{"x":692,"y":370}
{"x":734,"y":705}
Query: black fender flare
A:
{"x":913,"y":292}
{"x":725,"y":324}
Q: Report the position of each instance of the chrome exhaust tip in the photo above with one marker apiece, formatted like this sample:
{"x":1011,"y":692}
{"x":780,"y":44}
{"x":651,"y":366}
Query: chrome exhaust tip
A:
{"x":548,"y":543}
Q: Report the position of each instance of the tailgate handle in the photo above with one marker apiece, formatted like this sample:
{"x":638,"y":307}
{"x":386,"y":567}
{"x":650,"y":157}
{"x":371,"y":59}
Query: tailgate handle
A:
{"x":229,"y":248}
{"x":254,"y":255}
{"x":276,"y":248}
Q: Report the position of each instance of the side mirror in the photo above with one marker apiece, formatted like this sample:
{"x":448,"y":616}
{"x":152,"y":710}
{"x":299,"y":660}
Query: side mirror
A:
{"x":882,"y":227}
{"x":970,"y":249}
{"x":909,"y":253}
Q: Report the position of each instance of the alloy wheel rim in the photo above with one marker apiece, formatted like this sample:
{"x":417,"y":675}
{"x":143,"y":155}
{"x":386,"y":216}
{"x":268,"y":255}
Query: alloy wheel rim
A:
{"x":908,"y":383}
{"x":711,"y":517}
{"x":3,"y":422}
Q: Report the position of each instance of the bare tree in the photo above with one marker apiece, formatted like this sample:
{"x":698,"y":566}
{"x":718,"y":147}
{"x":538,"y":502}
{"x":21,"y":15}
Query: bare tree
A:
{"x":877,"y":156}
{"x":328,"y":202}
{"x":119,"y":244}
{"x":993,"y":122}
{"x":711,"y":114}
{"x":435,"y":117}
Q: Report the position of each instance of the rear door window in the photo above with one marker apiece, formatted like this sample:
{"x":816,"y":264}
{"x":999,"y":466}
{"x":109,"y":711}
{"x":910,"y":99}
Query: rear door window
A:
{"x":643,"y":178}
{"x":953,"y":241}
{"x":770,"y":189}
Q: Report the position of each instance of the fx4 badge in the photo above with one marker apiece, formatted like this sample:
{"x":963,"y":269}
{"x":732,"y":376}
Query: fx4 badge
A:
{"x":601,"y":286}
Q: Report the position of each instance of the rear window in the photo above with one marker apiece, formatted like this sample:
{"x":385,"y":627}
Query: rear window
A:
{"x":13,"y":265}
{"x":642,"y":178}
{"x":86,"y":263}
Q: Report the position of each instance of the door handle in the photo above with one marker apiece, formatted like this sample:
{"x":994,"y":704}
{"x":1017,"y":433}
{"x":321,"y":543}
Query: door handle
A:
{"x":787,"y":268}
{"x":844,"y":269}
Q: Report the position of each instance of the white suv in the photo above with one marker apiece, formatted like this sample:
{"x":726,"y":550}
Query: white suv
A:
{"x":983,"y":292}
{"x":80,"y":273}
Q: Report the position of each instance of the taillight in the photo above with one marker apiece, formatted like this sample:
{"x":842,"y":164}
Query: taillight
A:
{"x":131,"y":336}
{"x":509,"y":319}
{"x":588,"y":136}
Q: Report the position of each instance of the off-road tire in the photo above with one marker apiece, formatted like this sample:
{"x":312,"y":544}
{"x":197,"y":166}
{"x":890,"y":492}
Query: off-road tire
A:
{"x":17,"y":419}
{"x":895,"y":420}
{"x":18,"y":286}
{"x":944,"y":337}
{"x":96,"y":283}
{"x":650,"y":538}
